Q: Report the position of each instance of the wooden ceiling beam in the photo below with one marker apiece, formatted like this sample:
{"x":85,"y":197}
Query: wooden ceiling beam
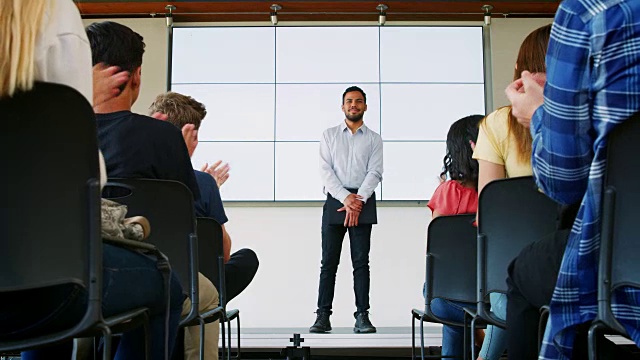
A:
{"x":318,"y":10}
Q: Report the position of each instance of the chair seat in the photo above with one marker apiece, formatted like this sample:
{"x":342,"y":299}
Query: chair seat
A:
{"x":232,"y":314}
{"x":127,"y":320}
{"x":483,"y":321}
{"x":418,"y":314}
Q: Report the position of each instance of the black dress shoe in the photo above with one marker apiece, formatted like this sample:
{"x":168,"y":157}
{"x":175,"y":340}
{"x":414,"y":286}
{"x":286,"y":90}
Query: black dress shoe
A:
{"x":322,"y":324}
{"x":363,"y":324}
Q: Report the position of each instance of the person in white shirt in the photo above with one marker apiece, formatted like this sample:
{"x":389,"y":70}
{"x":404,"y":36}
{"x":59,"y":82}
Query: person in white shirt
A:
{"x":351,"y":169}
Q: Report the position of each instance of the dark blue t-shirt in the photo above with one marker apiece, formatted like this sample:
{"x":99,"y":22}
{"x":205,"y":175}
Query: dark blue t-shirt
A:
{"x":210,"y":203}
{"x":141,"y":147}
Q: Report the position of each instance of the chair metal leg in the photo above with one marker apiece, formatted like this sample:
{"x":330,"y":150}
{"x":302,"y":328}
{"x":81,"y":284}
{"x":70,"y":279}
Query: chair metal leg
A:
{"x":413,"y":337}
{"x":228,"y":339}
{"x":201,"y":322}
{"x":147,"y":338}
{"x":222,"y":332}
{"x":422,"y":349}
{"x":238,"y":353}
{"x":472,"y":344}
{"x":592,"y":340}
{"x":465,"y":353}
{"x":106,"y":340}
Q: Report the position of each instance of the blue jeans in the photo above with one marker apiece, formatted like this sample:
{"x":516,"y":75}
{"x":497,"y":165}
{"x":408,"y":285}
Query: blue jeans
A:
{"x":495,"y":338}
{"x":360,"y":242}
{"x":453,"y":336}
{"x":130,"y":280}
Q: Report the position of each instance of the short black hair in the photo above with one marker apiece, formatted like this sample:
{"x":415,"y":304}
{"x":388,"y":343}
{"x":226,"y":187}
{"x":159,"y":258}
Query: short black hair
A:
{"x":354,"y":88}
{"x":115,"y":45}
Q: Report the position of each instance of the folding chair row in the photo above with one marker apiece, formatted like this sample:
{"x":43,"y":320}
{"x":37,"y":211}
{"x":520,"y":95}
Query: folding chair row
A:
{"x":190,"y":248}
{"x":51,"y":224}
{"x":512,"y":214}
{"x":212,"y":248}
{"x":505,"y":227}
{"x":450,"y":271}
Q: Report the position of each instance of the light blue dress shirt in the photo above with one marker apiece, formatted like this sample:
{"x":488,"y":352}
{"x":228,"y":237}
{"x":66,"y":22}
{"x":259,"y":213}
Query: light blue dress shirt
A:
{"x":351,"y":161}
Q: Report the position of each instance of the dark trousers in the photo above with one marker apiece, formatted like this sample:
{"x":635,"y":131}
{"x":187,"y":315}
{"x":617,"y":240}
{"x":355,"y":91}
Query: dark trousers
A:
{"x":360,"y":242}
{"x":531,"y":281}
{"x":239,"y":271}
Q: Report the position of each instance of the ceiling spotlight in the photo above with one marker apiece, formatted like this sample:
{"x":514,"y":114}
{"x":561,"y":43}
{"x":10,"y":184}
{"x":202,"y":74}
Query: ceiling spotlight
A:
{"x":487,"y":14}
{"x":169,"y":16}
{"x":274,"y":13}
{"x":382,"y":13}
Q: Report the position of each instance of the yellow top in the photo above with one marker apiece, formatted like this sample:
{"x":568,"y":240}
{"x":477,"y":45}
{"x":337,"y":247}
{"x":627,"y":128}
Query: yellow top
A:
{"x":497,"y":146}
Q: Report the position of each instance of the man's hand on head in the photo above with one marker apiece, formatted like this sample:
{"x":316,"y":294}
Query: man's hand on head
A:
{"x":526,"y":96}
{"x":219,"y":173}
{"x":190,"y":135}
{"x":106,"y":82}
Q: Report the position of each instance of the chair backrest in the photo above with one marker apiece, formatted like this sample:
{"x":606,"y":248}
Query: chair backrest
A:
{"x":619,"y":265}
{"x":210,"y":254}
{"x":50,"y":204}
{"x":168,"y":205}
{"x":451,"y":259}
{"x":512,"y":213}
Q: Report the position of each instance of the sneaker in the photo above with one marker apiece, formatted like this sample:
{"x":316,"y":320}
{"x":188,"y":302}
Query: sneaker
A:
{"x":322,"y":324}
{"x":363,"y":324}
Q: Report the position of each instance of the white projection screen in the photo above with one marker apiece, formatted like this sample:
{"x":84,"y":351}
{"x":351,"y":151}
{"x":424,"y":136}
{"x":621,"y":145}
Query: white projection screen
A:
{"x":271,"y":91}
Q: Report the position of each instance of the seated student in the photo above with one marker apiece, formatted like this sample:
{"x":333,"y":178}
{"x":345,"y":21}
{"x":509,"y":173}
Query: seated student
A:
{"x":458,"y":195}
{"x":241,"y":266}
{"x":138,"y":146}
{"x":593,"y":67}
{"x":504,"y":151}
{"x":48,"y":41}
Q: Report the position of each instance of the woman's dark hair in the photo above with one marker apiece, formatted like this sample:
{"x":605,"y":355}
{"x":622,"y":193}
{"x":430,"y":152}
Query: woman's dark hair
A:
{"x":458,"y":162}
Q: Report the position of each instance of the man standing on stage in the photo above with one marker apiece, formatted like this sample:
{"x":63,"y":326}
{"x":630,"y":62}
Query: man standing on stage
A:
{"x":351,"y":169}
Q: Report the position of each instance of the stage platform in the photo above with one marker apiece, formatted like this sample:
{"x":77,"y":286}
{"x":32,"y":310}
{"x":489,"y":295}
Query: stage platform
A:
{"x":342,"y":337}
{"x":387,"y":342}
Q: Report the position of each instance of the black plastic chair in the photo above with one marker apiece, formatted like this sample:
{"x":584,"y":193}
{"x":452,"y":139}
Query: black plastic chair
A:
{"x":512,"y":213}
{"x":169,"y":207}
{"x":211,"y":247}
{"x":619,"y":265}
{"x":450,"y":271}
{"x":50,"y":207}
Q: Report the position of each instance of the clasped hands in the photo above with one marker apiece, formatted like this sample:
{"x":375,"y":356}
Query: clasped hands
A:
{"x":353,"y":206}
{"x":526,"y":96}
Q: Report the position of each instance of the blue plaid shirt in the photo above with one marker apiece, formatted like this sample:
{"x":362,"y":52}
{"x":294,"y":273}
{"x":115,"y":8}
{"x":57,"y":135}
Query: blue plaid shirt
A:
{"x":593,"y":84}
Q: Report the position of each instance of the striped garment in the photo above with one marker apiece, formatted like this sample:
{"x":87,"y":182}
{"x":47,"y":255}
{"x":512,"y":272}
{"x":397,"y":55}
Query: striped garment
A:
{"x":593,"y":84}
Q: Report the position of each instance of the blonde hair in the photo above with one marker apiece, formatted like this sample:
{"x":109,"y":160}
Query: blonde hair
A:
{"x":180,"y":109}
{"x":20,"y":22}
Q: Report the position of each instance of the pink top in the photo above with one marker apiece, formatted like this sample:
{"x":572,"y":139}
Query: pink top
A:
{"x":451,"y":198}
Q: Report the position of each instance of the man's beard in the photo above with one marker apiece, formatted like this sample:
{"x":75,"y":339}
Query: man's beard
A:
{"x":355,"y":117}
